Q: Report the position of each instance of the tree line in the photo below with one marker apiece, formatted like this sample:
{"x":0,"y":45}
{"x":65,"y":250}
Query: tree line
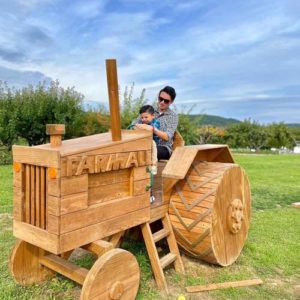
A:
{"x":25,"y":112}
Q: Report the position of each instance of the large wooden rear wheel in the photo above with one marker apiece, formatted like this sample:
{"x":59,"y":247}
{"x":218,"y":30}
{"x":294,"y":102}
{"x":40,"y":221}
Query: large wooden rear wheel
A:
{"x":210,"y":211}
{"x":24,"y":264}
{"x":114,"y":276}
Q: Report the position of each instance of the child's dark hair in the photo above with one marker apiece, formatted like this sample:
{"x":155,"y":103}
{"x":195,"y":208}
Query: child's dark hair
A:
{"x":170,"y":91}
{"x":147,"y":109}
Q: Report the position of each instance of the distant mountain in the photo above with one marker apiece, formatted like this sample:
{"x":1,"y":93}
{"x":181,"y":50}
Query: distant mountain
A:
{"x":293,"y":125}
{"x":203,"y":119}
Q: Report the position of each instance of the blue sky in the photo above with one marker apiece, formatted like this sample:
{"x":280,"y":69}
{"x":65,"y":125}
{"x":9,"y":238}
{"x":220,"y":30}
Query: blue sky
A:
{"x":238,"y":59}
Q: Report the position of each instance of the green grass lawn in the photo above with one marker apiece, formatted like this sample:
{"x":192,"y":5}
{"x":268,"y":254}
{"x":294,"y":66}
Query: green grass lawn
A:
{"x":270,"y":253}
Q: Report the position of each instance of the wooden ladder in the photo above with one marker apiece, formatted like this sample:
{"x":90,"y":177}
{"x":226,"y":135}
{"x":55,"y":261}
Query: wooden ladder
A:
{"x":158,"y":264}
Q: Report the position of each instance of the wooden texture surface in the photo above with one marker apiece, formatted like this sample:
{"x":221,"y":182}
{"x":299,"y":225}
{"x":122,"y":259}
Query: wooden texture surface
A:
{"x":113,"y":94}
{"x":36,"y":236}
{"x":115,"y":275}
{"x":64,"y":267}
{"x":157,"y":263}
{"x":93,"y":232}
{"x":25,"y":266}
{"x":182,"y":158}
{"x":178,"y":140}
{"x":210,"y":211}
{"x":101,"y":143}
{"x":45,"y":157}
{"x":223,"y":285}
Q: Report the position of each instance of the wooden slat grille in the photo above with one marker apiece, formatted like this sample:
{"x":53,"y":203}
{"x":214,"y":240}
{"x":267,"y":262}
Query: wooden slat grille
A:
{"x":35,"y":206}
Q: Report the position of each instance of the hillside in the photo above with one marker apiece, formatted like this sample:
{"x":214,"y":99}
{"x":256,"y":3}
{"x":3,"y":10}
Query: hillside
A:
{"x":203,"y":119}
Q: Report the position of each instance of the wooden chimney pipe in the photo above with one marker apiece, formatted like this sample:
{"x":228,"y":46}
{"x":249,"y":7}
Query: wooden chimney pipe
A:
{"x":55,"y":131}
{"x":113,"y":93}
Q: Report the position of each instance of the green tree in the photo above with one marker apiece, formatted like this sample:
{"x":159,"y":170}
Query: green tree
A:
{"x":247,"y":134}
{"x":279,"y":135}
{"x":188,"y":127}
{"x":130,"y":106}
{"x":28,"y":111}
{"x":211,"y":134}
{"x":8,"y":135}
{"x":96,"y":121}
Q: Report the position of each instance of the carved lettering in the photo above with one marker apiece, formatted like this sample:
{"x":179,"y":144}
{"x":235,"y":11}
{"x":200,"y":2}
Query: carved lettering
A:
{"x":117,"y":161}
{"x":132,"y":160}
{"x":82,"y":165}
{"x":106,"y":162}
{"x":72,"y":165}
{"x":100,"y":163}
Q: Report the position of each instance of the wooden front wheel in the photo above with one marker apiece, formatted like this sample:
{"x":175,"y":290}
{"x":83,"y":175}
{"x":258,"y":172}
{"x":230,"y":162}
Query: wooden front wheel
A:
{"x":24,"y":264}
{"x":114,"y":276}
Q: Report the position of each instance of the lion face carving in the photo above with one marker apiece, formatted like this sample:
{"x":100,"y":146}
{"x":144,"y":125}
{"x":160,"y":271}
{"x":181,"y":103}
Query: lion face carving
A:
{"x":235,"y":216}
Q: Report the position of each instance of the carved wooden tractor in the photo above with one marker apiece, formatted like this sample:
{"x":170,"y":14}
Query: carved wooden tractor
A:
{"x":86,"y":192}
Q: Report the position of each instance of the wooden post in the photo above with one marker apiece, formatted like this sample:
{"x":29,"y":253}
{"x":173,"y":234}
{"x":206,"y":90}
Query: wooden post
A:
{"x":55,"y":131}
{"x":113,"y":93}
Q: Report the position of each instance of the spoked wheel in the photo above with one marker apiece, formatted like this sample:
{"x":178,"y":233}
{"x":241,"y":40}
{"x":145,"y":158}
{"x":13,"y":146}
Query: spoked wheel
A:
{"x":115,"y":275}
{"x":25,"y":266}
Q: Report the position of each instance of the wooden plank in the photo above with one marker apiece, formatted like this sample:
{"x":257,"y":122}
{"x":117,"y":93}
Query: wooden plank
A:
{"x":18,"y":191}
{"x":154,"y":258}
{"x":102,"y":212}
{"x":105,"y":193}
{"x":74,"y":202}
{"x":224,"y":285}
{"x":36,"y":236}
{"x":74,"y":185}
{"x":100,"y":179}
{"x":140,"y":187}
{"x":53,"y":224}
{"x":100,"y":230}
{"x":38,"y":196}
{"x":296,"y":205}
{"x":180,"y":162}
{"x":140,"y":173}
{"x":36,"y":156}
{"x":167,"y":260}
{"x":43,"y":198}
{"x":18,"y":176}
{"x":18,"y":204}
{"x":27,"y":194}
{"x":32,"y":195}
{"x":53,"y":205}
{"x":178,"y":264}
{"x":102,"y":144}
{"x":158,"y":212}
{"x":98,"y":247}
{"x":64,"y":267}
{"x":167,"y":185}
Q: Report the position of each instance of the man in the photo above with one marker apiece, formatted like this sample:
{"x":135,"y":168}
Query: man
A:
{"x":168,"y":122}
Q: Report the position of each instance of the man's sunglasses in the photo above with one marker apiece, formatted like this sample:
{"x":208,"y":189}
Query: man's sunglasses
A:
{"x":161,"y":99}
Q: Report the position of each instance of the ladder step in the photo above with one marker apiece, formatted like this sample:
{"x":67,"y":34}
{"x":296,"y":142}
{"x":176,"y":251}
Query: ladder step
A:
{"x":159,"y":235}
{"x":167,"y":259}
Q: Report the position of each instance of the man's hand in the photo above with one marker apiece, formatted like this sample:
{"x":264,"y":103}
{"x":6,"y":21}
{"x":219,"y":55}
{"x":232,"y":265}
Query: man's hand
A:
{"x":144,"y":126}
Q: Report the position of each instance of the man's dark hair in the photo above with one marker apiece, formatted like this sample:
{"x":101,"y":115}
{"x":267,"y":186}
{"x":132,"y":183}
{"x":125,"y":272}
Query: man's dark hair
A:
{"x":170,"y":91}
{"x":148,"y":109}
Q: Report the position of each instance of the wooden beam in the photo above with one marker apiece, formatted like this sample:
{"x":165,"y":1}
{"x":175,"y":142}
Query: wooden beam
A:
{"x":223,"y":285}
{"x":113,"y":93}
{"x":98,"y":247}
{"x":64,"y":267}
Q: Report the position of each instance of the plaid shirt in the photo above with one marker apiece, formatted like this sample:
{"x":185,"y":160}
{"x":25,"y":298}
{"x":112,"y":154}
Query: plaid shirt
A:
{"x":156,"y":124}
{"x":168,"y":123}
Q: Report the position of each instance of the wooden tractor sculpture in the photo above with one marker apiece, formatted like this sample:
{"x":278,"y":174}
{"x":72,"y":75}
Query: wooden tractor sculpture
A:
{"x":85,"y":192}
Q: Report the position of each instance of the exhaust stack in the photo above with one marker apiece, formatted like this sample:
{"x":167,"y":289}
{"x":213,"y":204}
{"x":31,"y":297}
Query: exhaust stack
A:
{"x":113,"y":94}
